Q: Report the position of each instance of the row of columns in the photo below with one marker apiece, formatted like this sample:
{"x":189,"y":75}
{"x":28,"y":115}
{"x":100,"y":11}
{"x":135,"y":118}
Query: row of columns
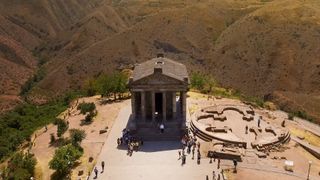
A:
{"x":164,"y":105}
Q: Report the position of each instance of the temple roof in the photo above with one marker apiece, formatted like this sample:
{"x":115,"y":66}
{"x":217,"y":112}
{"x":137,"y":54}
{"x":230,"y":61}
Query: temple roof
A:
{"x":165,"y":66}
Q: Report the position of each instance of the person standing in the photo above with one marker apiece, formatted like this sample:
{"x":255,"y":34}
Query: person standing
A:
{"x":95,"y":172}
{"x":198,"y":157}
{"x":283,"y":124}
{"x":235,"y":163}
{"x":247,"y":129}
{"x":259,"y":121}
{"x":183,"y":159}
{"x":218,"y":163}
{"x":213,"y":175}
{"x":193,"y":149}
{"x":88,"y":177}
{"x":102,"y":165}
{"x":182,"y":153}
{"x":179,"y":152}
{"x":162,"y":128}
{"x":189,"y":147}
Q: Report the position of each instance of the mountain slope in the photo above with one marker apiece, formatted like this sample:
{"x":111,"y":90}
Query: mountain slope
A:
{"x":185,"y":34}
{"x":275,"y":48}
{"x":16,"y":66}
{"x":263,"y":48}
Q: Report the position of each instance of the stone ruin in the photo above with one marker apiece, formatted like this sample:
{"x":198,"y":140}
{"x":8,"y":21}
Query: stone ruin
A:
{"x":227,"y":132}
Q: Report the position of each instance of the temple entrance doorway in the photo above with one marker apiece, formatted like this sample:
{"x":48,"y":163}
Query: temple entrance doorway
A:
{"x":158,"y":108}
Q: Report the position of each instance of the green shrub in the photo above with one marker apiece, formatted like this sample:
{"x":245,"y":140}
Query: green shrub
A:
{"x":21,"y":166}
{"x":52,"y":138}
{"x":302,"y":114}
{"x":89,"y":117}
{"x":86,"y":107}
{"x":197,"y":81}
{"x":64,"y":159}
{"x":62,"y":142}
{"x":290,"y":116}
{"x":30,"y":83}
{"x":76,"y":136}
{"x":18,"y":125}
{"x":62,"y":127}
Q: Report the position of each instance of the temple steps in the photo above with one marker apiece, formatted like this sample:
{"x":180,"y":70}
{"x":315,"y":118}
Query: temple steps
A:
{"x":153,"y":134}
{"x":200,"y":134}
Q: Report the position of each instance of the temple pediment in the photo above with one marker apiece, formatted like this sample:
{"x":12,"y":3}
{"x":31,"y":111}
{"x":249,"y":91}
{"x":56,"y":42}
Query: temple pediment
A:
{"x":158,"y":79}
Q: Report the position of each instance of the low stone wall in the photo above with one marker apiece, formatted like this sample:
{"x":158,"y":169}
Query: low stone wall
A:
{"x":310,"y":148}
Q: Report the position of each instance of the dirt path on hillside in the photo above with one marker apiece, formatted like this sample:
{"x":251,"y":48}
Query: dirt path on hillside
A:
{"x":92,"y":144}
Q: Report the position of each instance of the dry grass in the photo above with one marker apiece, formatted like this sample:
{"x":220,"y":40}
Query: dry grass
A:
{"x":38,"y":172}
{"x":270,"y":106}
{"x":309,"y":137}
{"x":229,"y":174}
{"x":196,"y":95}
{"x":193,"y":108}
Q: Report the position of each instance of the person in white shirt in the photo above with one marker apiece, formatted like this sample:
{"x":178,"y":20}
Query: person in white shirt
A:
{"x":162,"y":128}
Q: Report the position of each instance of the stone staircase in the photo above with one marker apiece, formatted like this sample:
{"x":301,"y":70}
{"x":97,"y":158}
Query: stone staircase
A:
{"x":151,"y":132}
{"x":200,"y":134}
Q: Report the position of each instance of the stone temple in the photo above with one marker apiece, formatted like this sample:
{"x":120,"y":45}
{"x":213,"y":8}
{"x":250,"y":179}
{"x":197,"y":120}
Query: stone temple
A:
{"x":159,"y":87}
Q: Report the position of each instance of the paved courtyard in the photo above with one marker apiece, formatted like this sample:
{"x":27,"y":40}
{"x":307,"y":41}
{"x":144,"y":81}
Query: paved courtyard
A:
{"x":156,"y":160}
{"x":159,"y":160}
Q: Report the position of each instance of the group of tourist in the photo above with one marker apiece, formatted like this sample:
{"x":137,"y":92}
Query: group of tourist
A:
{"x":189,"y":145}
{"x":133,"y":143}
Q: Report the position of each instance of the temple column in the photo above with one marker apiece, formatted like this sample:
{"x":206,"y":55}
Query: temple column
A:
{"x":153,"y":104}
{"x":133,"y":105}
{"x":164,"y":106}
{"x":143,"y":105}
{"x":174,"y":106}
{"x":184,"y":107}
{"x":180,"y":102}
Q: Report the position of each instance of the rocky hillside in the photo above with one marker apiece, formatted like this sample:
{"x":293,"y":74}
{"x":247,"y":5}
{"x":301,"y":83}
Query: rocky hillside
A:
{"x":16,"y":66}
{"x":262,"y":47}
{"x":24,"y":26}
{"x":273,"y":52}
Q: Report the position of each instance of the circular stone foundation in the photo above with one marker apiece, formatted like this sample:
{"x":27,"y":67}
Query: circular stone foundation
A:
{"x":238,"y":125}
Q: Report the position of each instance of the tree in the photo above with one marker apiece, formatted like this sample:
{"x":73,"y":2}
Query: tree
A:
{"x":89,"y":117}
{"x":62,"y":127}
{"x":86,"y":107}
{"x":210,"y":83}
{"x":121,"y":83}
{"x":76,"y":136}
{"x":64,"y":159}
{"x":90,"y":87}
{"x":197,"y":80}
{"x":21,"y":166}
{"x":104,"y":84}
